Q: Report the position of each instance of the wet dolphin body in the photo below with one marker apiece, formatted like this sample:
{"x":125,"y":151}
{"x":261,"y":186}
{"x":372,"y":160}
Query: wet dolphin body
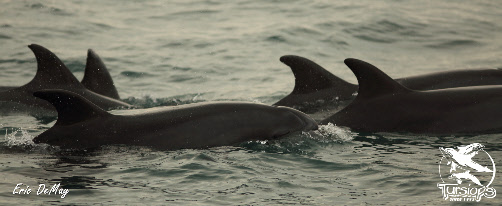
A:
{"x":51,"y":74}
{"x":385,"y":105}
{"x":82,"y":124}
{"x":96,"y":77}
{"x":314,"y":85}
{"x":5,"y":88}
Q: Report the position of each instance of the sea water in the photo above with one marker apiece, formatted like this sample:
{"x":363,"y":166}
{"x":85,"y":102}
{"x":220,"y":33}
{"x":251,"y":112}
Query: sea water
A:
{"x":163,"y":53}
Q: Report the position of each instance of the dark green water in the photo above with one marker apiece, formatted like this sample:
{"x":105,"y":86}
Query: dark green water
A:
{"x":178,"y":52}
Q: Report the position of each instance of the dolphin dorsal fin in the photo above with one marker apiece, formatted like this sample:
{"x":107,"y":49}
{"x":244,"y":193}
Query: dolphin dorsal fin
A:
{"x":310,"y":77}
{"x":372,"y":81}
{"x":51,"y":70}
{"x":97,"y":78}
{"x":71,"y":107}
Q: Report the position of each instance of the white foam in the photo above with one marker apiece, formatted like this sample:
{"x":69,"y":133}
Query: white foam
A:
{"x":19,"y":137}
{"x":331,"y":132}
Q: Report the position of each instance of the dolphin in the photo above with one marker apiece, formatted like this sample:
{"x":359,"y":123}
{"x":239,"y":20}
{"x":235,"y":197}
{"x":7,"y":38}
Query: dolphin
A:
{"x":82,"y":124}
{"x":315,"y":86}
{"x":464,"y":155}
{"x":51,"y":74}
{"x":96,"y":77}
{"x":385,"y":105}
{"x":465,"y":175}
{"x":5,"y":88}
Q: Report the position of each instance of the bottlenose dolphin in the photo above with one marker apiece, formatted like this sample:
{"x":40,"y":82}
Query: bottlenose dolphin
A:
{"x":385,"y":105}
{"x":51,"y":74}
{"x":96,"y":77}
{"x":81,"y":124}
{"x":315,"y":86}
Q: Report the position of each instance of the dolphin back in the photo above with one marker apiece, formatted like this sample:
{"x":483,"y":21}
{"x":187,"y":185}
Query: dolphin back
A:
{"x":313,"y":83}
{"x":71,"y":107}
{"x":372,"y":81}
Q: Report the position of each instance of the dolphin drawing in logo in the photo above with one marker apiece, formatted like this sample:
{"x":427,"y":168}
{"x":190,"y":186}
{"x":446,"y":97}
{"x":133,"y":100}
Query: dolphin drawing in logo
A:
{"x":53,"y":74}
{"x":316,"y":87}
{"x":465,"y":175}
{"x":82,"y":124}
{"x":463,"y":156}
{"x":461,"y":159}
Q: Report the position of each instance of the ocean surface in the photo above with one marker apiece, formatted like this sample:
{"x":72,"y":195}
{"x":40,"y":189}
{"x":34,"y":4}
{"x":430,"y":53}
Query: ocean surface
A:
{"x":163,"y":53}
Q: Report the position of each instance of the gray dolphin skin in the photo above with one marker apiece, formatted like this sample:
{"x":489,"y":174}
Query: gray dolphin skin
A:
{"x":315,"y":84}
{"x":51,"y":74}
{"x":385,"y":105}
{"x":97,"y":78}
{"x":5,"y":88}
{"x":81,"y":124}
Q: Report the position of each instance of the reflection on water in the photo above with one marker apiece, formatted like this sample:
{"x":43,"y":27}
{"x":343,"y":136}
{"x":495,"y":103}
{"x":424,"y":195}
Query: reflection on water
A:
{"x":300,"y":169}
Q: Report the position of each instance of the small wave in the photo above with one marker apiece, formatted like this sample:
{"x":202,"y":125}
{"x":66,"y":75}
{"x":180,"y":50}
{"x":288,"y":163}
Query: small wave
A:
{"x":282,"y":146}
{"x":184,"y":78}
{"x":17,"y":61}
{"x":195,"y":12}
{"x":36,"y":6}
{"x":174,"y":44}
{"x":5,"y":37}
{"x":387,"y":31}
{"x":332,"y":133}
{"x":302,"y":143}
{"x":133,"y":74}
{"x":276,"y":38}
{"x":306,"y":31}
{"x":202,"y":45}
{"x":52,"y":10}
{"x":188,"y":43}
{"x":59,"y":12}
{"x":378,"y":39}
{"x":182,"y":68}
{"x":20,"y":138}
{"x":103,"y":26}
{"x":335,"y":41}
{"x":454,"y":44}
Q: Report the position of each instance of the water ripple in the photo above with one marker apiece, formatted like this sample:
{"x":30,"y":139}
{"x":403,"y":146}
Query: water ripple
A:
{"x":449,"y":44}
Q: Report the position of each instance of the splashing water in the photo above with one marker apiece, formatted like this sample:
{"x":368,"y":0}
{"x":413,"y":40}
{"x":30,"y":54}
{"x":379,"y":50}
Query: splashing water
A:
{"x":16,"y":139}
{"x":332,"y":133}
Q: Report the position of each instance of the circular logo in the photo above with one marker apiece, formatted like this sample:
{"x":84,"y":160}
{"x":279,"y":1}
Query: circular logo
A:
{"x":469,"y":165}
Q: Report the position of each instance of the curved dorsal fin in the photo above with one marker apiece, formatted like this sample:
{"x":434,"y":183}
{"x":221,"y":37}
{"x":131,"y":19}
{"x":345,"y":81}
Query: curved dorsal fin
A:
{"x":72,"y":108}
{"x":372,"y":81}
{"x":50,"y":69}
{"x":97,"y":78}
{"x":310,"y":77}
